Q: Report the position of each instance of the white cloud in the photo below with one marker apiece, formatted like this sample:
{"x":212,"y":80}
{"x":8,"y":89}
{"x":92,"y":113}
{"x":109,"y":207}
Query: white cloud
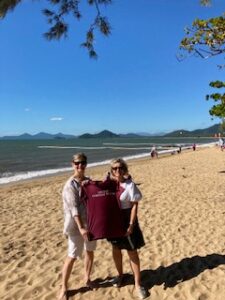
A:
{"x":56,"y":119}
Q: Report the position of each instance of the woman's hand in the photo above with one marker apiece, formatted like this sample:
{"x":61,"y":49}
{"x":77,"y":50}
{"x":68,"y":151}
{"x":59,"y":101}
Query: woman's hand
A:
{"x":84,"y":233}
{"x":130,"y":229}
{"x":85,"y":182}
{"x":108,"y":176}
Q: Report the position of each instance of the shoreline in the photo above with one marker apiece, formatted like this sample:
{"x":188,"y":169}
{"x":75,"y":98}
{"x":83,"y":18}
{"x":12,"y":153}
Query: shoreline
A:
{"x":31,"y":175}
{"x":104,"y":164}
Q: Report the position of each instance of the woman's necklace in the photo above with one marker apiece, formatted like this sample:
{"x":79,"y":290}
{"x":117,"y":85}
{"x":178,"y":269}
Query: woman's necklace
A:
{"x":79,"y":178}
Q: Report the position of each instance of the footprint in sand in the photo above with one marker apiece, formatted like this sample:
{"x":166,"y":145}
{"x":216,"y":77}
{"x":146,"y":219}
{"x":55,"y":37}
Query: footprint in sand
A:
{"x":23,"y":262}
{"x":8,"y":248}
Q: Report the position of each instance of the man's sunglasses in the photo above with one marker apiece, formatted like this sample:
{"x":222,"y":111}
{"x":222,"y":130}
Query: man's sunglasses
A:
{"x":83,"y":163}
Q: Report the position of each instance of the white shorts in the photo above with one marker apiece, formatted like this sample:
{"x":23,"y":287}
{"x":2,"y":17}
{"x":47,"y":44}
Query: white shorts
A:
{"x":76,"y":245}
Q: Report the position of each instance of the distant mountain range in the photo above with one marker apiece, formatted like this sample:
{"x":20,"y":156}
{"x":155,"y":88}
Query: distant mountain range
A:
{"x":38,"y":136}
{"x":207,"y":132}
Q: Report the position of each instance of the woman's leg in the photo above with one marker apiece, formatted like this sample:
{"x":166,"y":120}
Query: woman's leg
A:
{"x":135,"y":266}
{"x":118,"y":260}
{"x":66,"y":271}
{"x":88,"y":263}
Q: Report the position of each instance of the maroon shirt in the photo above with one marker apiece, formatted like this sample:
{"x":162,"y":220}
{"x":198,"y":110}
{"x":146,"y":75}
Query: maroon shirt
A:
{"x":104,"y":217}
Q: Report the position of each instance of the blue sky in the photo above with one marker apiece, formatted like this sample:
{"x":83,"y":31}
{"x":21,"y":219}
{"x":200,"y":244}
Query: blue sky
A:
{"x":136,"y":85}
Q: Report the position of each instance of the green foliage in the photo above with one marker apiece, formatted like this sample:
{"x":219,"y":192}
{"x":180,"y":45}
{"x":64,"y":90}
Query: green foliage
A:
{"x":205,"y":37}
{"x":59,"y":11}
{"x":7,"y":5}
{"x":218,"y":110}
{"x":58,"y":26}
{"x":217,"y":84}
{"x":205,"y":2}
{"x":223,"y":125}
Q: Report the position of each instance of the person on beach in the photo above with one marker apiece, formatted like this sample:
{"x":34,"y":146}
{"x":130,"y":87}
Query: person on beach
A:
{"x":75,"y":225}
{"x":221,"y":143}
{"x":154,"y":153}
{"x":133,"y":240}
{"x":179,"y":149}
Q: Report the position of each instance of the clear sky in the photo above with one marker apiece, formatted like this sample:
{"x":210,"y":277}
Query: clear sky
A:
{"x":136,"y":85}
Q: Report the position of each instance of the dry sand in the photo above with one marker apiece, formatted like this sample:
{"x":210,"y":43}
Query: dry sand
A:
{"x":182,"y":216}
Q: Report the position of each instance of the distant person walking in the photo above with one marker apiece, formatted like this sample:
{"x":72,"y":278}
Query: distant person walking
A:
{"x":154,"y":153}
{"x":221,"y":143}
{"x":194,"y":147}
{"x":75,"y":225}
{"x":179,"y":149}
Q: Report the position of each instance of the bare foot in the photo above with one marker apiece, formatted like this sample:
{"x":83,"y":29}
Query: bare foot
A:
{"x":63,"y":295}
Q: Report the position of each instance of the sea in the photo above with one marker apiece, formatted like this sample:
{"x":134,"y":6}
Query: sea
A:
{"x":21,"y":160}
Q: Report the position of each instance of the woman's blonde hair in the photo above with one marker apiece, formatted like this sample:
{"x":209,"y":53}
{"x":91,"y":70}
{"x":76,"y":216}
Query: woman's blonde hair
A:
{"x":80,"y":157}
{"x":122,"y":163}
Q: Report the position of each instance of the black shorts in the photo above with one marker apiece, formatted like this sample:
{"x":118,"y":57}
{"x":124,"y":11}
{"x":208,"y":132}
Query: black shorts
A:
{"x":133,"y":241}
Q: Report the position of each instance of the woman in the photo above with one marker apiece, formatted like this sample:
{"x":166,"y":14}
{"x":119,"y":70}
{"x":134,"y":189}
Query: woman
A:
{"x":75,"y":225}
{"x":133,"y":240}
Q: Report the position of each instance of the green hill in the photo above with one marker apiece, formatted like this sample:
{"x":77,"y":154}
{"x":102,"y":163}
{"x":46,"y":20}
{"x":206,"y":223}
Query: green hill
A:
{"x":207,"y":132}
{"x":102,"y":134}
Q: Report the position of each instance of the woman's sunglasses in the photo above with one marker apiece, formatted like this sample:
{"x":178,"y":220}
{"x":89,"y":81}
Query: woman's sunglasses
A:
{"x":83,"y":163}
{"x":118,"y":168}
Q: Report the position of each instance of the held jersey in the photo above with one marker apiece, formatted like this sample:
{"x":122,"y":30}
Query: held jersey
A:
{"x":104,"y":216}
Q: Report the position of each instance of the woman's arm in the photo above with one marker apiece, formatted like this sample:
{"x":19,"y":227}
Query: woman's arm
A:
{"x":71,"y":198}
{"x":81,"y":228}
{"x":133,"y":217}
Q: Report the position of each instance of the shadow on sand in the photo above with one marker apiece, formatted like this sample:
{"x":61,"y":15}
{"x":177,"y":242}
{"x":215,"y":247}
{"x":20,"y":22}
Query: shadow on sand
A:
{"x":102,"y":283}
{"x":186,"y":269}
{"x":169,"y":276}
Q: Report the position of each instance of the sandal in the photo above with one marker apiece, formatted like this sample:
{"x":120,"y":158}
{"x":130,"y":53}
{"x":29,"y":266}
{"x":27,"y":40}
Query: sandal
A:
{"x":142,"y":293}
{"x":117,"y":281}
{"x":91,"y":285}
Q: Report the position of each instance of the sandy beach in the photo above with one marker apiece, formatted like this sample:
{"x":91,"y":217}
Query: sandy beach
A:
{"x":182,"y":215}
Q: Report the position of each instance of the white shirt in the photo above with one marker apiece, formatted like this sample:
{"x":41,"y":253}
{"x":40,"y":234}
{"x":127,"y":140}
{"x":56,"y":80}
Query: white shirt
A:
{"x":72,"y":206}
{"x":130,"y":194}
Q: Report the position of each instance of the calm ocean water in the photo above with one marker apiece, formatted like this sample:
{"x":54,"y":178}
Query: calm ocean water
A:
{"x":27,"y":159}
